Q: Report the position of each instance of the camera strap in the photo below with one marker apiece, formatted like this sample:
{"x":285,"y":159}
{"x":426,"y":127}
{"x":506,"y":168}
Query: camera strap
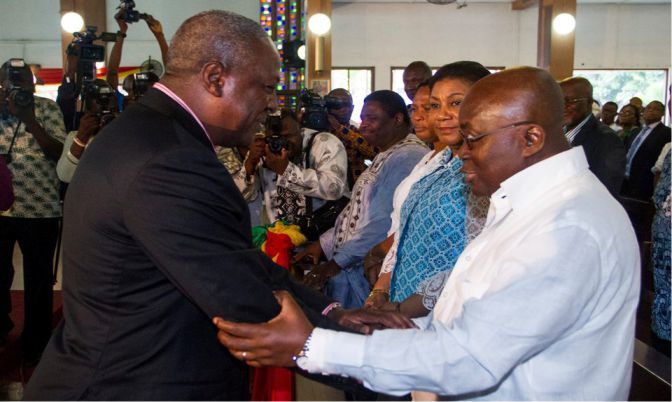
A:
{"x":11,"y":144}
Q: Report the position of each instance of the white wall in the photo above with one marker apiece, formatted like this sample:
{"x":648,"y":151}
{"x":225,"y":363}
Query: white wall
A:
{"x":383,"y":35}
{"x":387,"y":35}
{"x":31,"y":28}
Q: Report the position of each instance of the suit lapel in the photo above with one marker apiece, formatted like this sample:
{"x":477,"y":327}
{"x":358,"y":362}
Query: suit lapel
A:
{"x":161,"y":103}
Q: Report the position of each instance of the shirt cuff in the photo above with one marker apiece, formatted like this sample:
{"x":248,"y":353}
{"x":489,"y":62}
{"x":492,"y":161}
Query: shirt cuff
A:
{"x":331,"y":349}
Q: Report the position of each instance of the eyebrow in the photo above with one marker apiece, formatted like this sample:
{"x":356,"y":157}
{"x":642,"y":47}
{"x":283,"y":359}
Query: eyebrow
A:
{"x":449,"y":96}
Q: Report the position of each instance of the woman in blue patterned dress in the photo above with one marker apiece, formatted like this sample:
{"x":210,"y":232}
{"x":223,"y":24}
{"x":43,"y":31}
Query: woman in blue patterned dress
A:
{"x":660,"y":253}
{"x":439,"y":215}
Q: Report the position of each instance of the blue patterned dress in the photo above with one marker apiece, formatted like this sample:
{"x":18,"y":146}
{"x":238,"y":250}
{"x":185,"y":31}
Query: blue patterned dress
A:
{"x":660,"y":254}
{"x":438,"y":219}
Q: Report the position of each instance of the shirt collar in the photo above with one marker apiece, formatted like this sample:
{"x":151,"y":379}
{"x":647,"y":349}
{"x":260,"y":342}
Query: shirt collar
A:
{"x":573,"y":132}
{"x":650,"y":126}
{"x":529,"y":184}
{"x":172,"y":95}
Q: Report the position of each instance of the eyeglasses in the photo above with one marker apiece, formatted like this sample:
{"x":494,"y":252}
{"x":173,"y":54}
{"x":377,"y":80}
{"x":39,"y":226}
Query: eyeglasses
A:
{"x":470,"y":138}
{"x":573,"y":101}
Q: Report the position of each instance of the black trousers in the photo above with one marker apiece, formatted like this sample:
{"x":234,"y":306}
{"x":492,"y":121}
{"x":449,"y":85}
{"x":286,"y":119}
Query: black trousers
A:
{"x":37,"y":239}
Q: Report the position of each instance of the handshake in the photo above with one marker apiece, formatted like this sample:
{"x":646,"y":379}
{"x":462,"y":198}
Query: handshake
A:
{"x":279,"y":341}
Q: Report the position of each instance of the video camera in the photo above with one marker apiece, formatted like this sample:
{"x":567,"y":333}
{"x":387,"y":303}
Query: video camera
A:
{"x":128,"y":14}
{"x":88,"y":54}
{"x":316,"y":109}
{"x":275,"y":141}
{"x":14,"y":70}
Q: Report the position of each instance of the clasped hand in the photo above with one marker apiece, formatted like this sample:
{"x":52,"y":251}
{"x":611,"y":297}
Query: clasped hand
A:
{"x":276,"y":342}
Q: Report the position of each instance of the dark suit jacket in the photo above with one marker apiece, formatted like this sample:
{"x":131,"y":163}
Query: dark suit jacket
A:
{"x":605,"y":153}
{"x":640,"y":183}
{"x":156,"y":242}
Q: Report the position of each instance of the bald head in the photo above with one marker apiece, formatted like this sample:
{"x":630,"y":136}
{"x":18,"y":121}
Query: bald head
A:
{"x":414,"y":74}
{"x":510,"y":121}
{"x":520,"y":94}
{"x":214,"y":35}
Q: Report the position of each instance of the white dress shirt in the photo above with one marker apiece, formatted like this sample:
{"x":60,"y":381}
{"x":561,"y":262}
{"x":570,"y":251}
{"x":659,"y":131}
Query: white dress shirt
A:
{"x":540,"y":306}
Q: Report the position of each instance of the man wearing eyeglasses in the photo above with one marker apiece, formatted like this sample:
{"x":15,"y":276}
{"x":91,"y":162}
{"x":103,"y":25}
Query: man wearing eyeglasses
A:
{"x":604,"y":150}
{"x":540,"y":306}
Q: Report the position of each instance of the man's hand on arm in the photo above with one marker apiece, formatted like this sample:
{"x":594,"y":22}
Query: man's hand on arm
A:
{"x":273,"y":343}
{"x":365,"y":320}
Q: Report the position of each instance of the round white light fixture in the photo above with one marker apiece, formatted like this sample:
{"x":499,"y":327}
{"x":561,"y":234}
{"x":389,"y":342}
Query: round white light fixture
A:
{"x":301,"y":52}
{"x":72,"y":22}
{"x":319,"y":24}
{"x":564,"y":23}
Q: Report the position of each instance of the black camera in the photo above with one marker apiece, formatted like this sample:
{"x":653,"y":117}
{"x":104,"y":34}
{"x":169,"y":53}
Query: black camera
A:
{"x":142,"y":81}
{"x":127,"y":12}
{"x":275,"y":141}
{"x":100,"y":92}
{"x":314,"y":111}
{"x":14,"y":90}
{"x":88,"y":54}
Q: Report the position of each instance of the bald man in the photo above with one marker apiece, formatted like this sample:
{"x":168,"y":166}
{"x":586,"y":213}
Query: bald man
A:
{"x":414,"y":74}
{"x":604,"y":150}
{"x":540,"y":306}
{"x":157,"y":238}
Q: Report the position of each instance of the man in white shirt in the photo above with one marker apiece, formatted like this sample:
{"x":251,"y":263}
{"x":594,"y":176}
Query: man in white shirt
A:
{"x":301,"y":166}
{"x":540,"y":306}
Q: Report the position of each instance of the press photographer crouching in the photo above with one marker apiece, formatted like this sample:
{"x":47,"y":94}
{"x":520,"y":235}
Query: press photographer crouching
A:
{"x":100,"y":108}
{"x":31,"y":140}
{"x":303,"y":175}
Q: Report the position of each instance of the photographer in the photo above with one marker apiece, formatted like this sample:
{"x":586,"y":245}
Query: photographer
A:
{"x":302,"y":170}
{"x":101,"y":108}
{"x":122,"y":19}
{"x":339,"y":108}
{"x":31,"y":135}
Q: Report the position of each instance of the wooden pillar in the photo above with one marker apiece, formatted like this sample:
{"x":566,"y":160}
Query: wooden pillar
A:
{"x":312,"y":74}
{"x":93,"y":12}
{"x":555,"y":52}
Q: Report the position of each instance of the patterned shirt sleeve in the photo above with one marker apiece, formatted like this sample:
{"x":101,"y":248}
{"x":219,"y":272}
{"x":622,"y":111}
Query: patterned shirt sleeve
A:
{"x":248,"y":185}
{"x":327,"y":177}
{"x":49,"y":115}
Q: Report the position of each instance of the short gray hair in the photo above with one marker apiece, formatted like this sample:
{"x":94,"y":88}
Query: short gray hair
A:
{"x":213,"y":35}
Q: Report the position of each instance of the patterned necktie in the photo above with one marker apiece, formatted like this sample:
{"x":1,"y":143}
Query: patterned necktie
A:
{"x":633,"y":149}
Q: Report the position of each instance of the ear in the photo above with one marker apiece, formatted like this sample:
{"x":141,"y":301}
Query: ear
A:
{"x":213,"y":77}
{"x":534,"y":139}
{"x":398,"y":119}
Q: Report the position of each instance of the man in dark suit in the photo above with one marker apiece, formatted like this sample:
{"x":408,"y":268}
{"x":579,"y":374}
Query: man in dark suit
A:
{"x":157,"y":239}
{"x":603,"y":149}
{"x":643,"y":151}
